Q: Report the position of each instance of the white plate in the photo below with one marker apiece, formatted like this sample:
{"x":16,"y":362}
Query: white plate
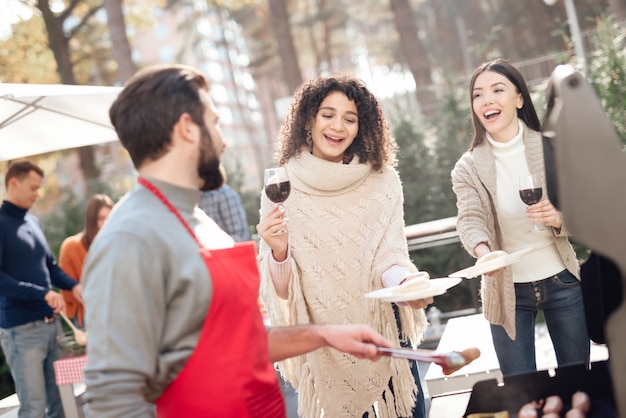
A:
{"x":437,"y":287}
{"x":491,"y":265}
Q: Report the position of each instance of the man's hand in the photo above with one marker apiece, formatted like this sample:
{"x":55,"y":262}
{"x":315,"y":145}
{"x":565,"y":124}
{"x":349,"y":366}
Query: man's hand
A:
{"x":359,"y":340}
{"x":55,"y":301}
{"x":77,"y":291}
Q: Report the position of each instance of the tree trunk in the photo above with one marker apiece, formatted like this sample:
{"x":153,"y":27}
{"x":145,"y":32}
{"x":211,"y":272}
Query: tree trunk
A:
{"x":279,"y":17}
{"x":59,"y":40}
{"x":447,"y":40}
{"x":90,"y":169}
{"x":310,"y":32}
{"x":121,"y":47}
{"x":415,"y":54}
{"x":328,"y":56}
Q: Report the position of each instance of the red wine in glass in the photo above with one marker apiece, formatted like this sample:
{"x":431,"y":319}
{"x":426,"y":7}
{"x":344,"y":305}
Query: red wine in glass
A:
{"x":277,"y":188}
{"x":530,"y":191}
{"x":278,"y":192}
{"x":531,"y":196}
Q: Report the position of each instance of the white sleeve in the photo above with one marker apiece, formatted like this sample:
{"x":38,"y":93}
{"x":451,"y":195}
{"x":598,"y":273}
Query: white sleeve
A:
{"x":280,"y":270}
{"x":394,"y":275}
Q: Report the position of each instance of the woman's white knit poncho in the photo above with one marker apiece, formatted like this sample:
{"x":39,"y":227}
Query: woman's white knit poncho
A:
{"x":346,"y":227}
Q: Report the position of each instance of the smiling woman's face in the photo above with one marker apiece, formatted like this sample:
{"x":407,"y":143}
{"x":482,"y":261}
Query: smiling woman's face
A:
{"x":335,"y":126}
{"x":495,"y":101}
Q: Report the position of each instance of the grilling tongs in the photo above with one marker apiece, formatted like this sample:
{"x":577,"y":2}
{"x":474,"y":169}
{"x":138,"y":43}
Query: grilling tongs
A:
{"x":450,"y":362}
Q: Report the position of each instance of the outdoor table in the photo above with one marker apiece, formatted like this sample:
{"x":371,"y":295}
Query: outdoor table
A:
{"x":67,"y":372}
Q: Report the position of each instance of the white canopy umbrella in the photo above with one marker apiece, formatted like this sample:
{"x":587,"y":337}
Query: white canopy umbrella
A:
{"x":40,"y":118}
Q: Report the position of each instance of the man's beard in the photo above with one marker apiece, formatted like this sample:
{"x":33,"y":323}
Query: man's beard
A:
{"x":209,"y":163}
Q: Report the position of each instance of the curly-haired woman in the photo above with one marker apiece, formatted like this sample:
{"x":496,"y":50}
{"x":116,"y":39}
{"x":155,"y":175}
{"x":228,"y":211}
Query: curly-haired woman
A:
{"x":345,"y":238}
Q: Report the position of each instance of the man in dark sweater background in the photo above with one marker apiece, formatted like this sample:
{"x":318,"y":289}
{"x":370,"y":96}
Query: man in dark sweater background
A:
{"x":29,"y":327}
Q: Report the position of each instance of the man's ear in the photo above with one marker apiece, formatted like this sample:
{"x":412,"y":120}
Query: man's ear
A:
{"x":12,"y":182}
{"x":185,"y":127}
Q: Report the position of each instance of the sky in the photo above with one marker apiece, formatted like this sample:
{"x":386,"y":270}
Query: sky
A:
{"x":12,"y":12}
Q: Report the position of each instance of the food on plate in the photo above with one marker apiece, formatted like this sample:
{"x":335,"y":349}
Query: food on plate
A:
{"x":413,"y":283}
{"x":491,"y":256}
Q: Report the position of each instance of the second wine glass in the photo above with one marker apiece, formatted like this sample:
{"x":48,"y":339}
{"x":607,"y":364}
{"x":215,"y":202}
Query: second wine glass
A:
{"x":530,"y":191}
{"x":277,"y":188}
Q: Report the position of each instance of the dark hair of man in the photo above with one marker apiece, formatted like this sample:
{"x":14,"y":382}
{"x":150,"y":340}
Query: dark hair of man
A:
{"x":373,"y":143}
{"x":20,"y":170}
{"x":527,"y":113}
{"x":97,"y":202}
{"x":152,"y":101}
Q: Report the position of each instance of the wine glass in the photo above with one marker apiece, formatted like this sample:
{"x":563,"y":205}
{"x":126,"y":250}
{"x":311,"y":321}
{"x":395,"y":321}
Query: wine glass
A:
{"x":530,"y":191}
{"x":277,"y":188}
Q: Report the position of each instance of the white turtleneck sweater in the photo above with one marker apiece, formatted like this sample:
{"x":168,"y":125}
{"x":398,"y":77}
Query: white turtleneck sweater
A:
{"x":510,"y":159}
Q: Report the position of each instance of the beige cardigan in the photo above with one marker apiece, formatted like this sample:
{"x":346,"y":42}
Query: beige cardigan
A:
{"x":474,"y":183}
{"x":346,"y":227}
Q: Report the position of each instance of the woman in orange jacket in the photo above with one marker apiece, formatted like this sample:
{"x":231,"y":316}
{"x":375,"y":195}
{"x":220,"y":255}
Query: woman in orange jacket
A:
{"x":74,"y":250}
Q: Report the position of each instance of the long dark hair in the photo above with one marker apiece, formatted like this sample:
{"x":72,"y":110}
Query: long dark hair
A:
{"x":97,"y":202}
{"x":373,"y":143}
{"x":527,"y":113}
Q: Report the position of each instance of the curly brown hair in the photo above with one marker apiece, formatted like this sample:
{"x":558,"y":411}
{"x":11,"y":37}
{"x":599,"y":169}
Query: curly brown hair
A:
{"x":373,"y":143}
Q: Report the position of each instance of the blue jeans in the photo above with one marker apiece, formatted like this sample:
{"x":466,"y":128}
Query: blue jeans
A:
{"x":561,"y":300}
{"x":30,"y":350}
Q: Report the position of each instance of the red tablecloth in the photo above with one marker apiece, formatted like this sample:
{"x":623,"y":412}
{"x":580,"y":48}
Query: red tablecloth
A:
{"x":69,"y":370}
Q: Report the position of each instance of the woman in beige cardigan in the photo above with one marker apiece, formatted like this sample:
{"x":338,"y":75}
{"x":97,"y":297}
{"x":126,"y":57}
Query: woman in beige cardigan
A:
{"x":345,"y":238}
{"x":492,"y":217}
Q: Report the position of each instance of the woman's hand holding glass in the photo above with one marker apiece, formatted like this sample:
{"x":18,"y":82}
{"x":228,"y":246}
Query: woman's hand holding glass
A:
{"x":277,"y":188}
{"x":531,"y":191}
{"x":545,"y":213}
{"x":268,"y":227}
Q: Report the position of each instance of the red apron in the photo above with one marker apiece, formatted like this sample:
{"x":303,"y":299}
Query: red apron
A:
{"x":229,"y":374}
